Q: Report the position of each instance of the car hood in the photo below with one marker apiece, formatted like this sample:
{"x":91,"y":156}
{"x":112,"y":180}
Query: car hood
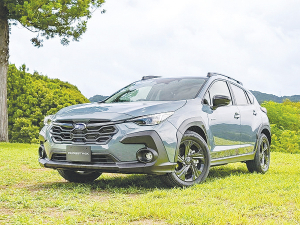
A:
{"x":117,"y":111}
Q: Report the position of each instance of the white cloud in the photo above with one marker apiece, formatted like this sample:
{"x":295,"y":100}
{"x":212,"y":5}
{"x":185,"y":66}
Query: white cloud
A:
{"x":256,"y":42}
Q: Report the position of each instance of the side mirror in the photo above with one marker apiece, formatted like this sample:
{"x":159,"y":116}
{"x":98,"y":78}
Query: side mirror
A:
{"x":220,"y":100}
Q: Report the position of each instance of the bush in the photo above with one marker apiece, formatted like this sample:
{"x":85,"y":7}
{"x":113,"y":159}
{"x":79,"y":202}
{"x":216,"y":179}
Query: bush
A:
{"x":285,"y":125}
{"x":33,"y":96}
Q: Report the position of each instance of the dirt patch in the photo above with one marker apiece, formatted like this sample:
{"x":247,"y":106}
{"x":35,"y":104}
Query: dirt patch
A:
{"x":58,"y":213}
{"x":96,"y":196}
{"x":148,"y":222}
{"x":6,"y":212}
{"x":116,"y":175}
{"x":5,"y":215}
{"x":27,"y":168}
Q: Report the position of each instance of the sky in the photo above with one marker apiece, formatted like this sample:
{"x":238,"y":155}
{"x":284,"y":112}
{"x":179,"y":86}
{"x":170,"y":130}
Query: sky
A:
{"x":256,"y":42}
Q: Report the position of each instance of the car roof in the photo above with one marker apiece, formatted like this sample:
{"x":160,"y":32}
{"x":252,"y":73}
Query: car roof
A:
{"x":221,"y":75}
{"x":209,"y":75}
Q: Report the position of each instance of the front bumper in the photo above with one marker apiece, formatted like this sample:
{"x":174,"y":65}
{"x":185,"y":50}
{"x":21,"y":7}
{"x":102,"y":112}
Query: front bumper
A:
{"x":131,"y":142}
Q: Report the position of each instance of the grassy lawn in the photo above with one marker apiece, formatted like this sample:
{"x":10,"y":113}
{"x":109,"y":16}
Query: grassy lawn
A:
{"x":30,"y":194}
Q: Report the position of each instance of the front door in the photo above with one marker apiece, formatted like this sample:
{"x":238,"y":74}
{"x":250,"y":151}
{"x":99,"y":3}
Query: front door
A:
{"x":224,"y":123}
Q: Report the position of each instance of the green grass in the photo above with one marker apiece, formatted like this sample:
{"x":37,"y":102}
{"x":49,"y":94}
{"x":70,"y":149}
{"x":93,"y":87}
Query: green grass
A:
{"x":30,"y":194}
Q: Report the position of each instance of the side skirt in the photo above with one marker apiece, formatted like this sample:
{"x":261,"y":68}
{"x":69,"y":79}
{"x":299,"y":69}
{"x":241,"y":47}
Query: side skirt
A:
{"x":232,"y":159}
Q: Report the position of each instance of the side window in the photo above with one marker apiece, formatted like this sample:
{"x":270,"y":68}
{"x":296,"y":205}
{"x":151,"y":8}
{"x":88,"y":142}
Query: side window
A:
{"x":239,"y":95}
{"x":219,"y":88}
{"x":250,"y":97}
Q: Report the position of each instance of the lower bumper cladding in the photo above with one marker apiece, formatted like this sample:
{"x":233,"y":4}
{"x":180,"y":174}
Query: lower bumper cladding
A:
{"x":117,"y":167}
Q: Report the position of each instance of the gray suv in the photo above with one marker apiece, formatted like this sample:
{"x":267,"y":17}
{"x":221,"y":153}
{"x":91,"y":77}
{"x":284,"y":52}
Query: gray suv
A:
{"x":174,"y":127}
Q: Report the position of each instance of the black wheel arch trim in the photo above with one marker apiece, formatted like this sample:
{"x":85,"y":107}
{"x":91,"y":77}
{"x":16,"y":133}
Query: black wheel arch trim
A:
{"x":191,"y":122}
{"x":265,"y":127}
{"x":260,"y":129}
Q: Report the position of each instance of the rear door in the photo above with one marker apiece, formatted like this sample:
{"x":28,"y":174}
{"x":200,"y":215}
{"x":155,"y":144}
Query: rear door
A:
{"x":249,"y":119}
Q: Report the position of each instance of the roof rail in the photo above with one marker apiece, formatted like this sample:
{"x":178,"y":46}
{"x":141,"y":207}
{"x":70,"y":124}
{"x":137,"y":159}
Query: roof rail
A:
{"x":149,"y":77}
{"x":209,"y":74}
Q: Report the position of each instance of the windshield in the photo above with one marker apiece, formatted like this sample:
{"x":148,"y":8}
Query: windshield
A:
{"x":166,"y":89}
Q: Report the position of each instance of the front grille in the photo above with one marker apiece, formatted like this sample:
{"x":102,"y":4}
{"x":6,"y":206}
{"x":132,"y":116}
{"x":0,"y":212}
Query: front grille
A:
{"x":59,"y":157}
{"x":102,"y":159}
{"x":95,"y":158}
{"x":92,"y":132}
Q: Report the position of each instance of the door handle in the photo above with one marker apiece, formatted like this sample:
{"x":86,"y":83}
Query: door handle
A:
{"x":236,"y":115}
{"x":254,"y":113}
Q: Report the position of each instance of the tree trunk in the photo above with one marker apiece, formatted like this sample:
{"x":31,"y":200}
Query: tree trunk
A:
{"x":4,"y":54}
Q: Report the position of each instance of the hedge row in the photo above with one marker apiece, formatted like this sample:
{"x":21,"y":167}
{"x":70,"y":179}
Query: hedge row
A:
{"x":33,"y":96}
{"x":285,"y":125}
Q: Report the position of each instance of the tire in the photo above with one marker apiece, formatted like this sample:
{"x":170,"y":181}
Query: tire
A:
{"x":193,"y":162}
{"x":261,"y":160}
{"x":79,"y":176}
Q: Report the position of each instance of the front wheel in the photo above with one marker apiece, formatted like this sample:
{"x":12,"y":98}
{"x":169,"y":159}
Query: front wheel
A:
{"x":261,"y":160}
{"x":193,"y":162}
{"x":79,"y":176}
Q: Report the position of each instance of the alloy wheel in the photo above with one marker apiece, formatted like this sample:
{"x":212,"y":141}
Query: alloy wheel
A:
{"x":190,"y":161}
{"x":264,"y":154}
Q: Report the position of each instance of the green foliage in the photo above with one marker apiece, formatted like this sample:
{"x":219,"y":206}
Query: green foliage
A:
{"x":63,"y":18}
{"x":31,"y":98}
{"x":285,"y":125}
{"x":23,"y":131}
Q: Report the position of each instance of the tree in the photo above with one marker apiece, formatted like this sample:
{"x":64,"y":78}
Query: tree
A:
{"x":66,"y":19}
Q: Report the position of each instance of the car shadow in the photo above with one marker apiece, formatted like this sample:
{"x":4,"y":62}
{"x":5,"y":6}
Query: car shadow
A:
{"x":226,"y":171}
{"x":117,"y":183}
{"x":136,"y":183}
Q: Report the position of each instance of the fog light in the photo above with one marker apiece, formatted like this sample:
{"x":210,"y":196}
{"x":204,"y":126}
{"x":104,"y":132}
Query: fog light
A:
{"x":146,"y":155}
{"x":149,"y":156}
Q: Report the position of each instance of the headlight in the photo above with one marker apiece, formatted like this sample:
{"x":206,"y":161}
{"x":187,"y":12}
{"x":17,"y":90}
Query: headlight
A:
{"x":151,"y":119}
{"x":48,"y":119}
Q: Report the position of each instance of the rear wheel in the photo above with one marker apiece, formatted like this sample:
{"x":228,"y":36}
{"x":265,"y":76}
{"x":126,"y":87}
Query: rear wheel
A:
{"x":79,"y":176}
{"x":261,"y":160}
{"x":193,"y":162}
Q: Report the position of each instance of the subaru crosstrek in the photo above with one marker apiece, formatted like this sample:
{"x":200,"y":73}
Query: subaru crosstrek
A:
{"x":174,"y":127}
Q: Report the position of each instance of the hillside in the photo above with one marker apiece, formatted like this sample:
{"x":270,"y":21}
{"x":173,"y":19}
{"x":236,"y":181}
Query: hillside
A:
{"x":97,"y":98}
{"x":33,"y":96}
{"x":262,"y":97}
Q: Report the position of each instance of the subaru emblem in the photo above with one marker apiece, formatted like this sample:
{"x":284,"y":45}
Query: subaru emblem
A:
{"x":80,"y":126}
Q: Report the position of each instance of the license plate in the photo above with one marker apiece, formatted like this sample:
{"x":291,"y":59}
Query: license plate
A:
{"x":79,"y":153}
